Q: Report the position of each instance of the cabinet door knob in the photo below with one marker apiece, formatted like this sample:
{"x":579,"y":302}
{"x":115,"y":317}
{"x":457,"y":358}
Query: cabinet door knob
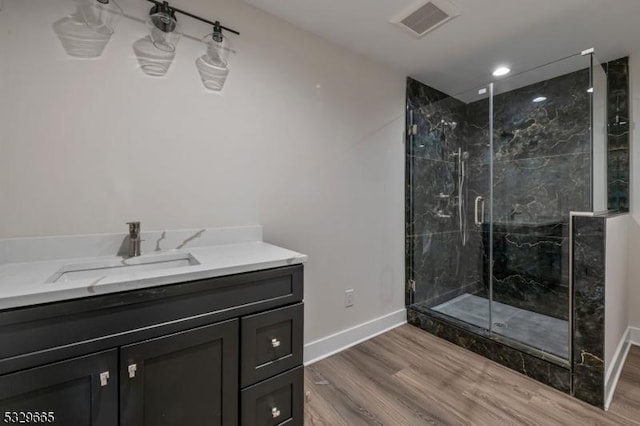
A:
{"x":104,"y":378}
{"x":132,"y":370}
{"x":275,"y":342}
{"x":275,"y":412}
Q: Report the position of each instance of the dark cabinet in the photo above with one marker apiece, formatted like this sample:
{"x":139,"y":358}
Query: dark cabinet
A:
{"x":275,"y":402}
{"x":271,"y":343}
{"x":181,"y":354}
{"x":187,"y":378}
{"x":81,"y":392}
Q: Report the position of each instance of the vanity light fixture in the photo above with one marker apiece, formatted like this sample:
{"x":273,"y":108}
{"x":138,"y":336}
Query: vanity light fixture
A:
{"x":86,"y":32}
{"x":212,"y":66}
{"x":540,"y":99}
{"x":500,"y":71}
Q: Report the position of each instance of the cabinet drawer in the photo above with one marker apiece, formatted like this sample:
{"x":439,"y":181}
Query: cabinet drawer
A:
{"x":271,"y":343}
{"x":277,"y":401}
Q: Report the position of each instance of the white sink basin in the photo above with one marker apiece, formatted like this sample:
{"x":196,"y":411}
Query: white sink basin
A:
{"x":97,"y":270}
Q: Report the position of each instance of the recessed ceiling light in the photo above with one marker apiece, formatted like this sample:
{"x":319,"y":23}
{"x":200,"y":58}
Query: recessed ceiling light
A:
{"x":500,"y":71}
{"x":539,"y":99}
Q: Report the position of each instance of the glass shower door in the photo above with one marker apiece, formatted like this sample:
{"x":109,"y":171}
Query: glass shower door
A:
{"x":541,"y":171}
{"x":447,"y":177}
{"x":492,"y":176}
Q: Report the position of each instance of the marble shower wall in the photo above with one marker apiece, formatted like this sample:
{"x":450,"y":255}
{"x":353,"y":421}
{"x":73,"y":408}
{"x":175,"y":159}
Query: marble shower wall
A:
{"x":437,"y":260}
{"x":589,"y":247}
{"x":542,"y":169}
{"x":541,"y":150}
{"x":542,"y":172}
{"x":618,"y":134}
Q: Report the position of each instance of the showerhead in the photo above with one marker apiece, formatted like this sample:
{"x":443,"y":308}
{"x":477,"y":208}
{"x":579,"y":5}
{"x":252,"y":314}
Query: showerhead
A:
{"x":442,"y":126}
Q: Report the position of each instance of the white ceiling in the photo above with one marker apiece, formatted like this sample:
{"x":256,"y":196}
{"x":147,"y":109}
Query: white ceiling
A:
{"x":460,"y":54}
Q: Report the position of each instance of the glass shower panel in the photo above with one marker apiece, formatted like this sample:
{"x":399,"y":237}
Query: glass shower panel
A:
{"x":541,"y":172}
{"x":447,"y":176}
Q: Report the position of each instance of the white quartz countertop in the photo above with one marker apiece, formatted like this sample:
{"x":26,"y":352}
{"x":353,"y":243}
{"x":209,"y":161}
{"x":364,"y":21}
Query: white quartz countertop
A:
{"x":30,"y":283}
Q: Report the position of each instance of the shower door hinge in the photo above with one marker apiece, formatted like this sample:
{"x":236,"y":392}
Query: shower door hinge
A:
{"x":412,"y":285}
{"x":413,"y":130}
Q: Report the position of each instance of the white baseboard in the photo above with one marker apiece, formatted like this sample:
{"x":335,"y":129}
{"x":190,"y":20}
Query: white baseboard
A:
{"x":330,"y":345}
{"x":612,"y":375}
{"x":634,"y":336}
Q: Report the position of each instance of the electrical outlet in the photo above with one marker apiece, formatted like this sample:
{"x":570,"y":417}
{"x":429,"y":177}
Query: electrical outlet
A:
{"x":348,"y":298}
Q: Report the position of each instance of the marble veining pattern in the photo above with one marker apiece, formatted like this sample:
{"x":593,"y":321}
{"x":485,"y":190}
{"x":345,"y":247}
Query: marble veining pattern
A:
{"x":33,"y":249}
{"x":216,"y":252}
{"x":588,"y":309}
{"x":442,"y":266}
{"x":530,"y":269}
{"x":541,"y":172}
{"x":618,"y":125}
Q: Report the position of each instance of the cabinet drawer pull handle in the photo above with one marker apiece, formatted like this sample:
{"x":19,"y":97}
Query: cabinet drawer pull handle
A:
{"x":275,"y":412}
{"x":275,"y":343}
{"x":132,"y":370}
{"x":104,"y":378}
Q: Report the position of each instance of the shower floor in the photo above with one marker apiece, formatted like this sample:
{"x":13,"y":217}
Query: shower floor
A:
{"x":539,"y":331}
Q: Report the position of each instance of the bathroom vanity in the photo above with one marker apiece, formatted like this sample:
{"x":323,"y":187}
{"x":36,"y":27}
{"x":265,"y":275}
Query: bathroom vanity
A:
{"x":219,"y":350}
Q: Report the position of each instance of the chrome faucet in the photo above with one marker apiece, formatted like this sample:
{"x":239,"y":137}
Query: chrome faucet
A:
{"x":134,"y":239}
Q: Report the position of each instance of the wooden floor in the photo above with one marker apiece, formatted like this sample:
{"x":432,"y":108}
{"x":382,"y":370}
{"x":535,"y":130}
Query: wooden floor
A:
{"x":409,"y":377}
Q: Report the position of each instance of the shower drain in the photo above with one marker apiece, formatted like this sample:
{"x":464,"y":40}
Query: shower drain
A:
{"x":499,"y":324}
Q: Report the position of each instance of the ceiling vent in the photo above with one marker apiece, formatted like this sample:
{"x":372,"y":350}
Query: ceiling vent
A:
{"x":425,"y":16}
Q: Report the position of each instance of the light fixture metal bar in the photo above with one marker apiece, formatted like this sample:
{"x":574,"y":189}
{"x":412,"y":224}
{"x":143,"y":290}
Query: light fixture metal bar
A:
{"x":191,"y":15}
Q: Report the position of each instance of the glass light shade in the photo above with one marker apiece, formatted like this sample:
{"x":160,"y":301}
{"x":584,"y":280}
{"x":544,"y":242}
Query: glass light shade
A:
{"x":164,"y":31}
{"x":212,"y":74}
{"x":101,"y":16}
{"x":218,"y":52}
{"x":153,"y":61}
{"x":78,"y":39}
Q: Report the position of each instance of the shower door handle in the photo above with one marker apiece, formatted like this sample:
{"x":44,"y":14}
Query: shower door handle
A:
{"x":479,"y":220}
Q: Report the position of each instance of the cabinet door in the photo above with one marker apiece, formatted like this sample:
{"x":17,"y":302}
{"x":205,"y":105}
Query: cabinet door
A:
{"x":80,"y":391}
{"x":188,"y":378}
